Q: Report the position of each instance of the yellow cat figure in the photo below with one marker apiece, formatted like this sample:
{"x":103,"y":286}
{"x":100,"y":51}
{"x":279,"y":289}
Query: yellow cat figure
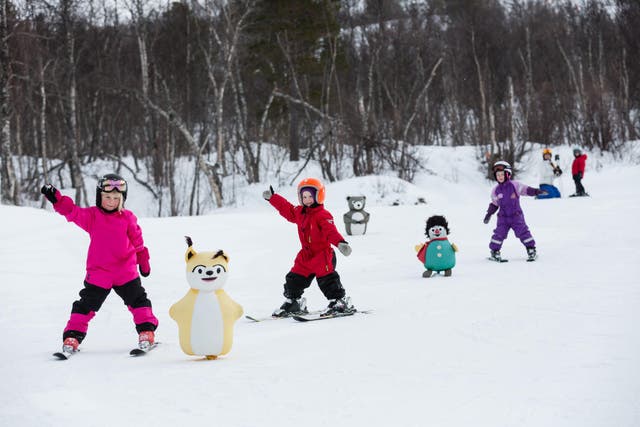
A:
{"x":206,"y":315}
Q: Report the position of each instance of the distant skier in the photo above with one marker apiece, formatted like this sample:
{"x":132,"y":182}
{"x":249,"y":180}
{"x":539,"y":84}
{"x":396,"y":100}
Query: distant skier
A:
{"x":549,"y":171}
{"x":577,"y":170}
{"x":317,"y":232}
{"x":505,"y":197}
{"x":115,"y":248}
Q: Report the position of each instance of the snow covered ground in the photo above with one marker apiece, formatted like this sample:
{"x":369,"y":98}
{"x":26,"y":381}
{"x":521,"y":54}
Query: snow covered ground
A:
{"x":550,"y":343}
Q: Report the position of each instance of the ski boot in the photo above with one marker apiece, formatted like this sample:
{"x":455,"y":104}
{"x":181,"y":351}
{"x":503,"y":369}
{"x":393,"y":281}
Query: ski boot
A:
{"x":531,"y":254}
{"x":70,"y":345}
{"x":495,"y":256}
{"x":339,"y":305}
{"x":291,"y":307}
{"x":146,"y":340}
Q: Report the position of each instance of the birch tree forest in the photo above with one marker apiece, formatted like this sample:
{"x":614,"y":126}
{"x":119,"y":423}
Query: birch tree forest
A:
{"x":354,"y":85}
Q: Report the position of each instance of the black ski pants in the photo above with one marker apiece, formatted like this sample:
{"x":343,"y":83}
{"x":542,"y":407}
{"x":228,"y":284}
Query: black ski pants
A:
{"x":91,"y":299}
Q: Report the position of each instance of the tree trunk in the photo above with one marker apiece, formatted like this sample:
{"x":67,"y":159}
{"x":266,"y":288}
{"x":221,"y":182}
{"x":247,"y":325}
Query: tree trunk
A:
{"x":294,"y":137}
{"x":628,"y":131}
{"x":528,"y":67}
{"x":512,"y":112}
{"x":149,"y":131}
{"x":209,"y":170}
{"x":576,"y":81}
{"x":77,"y":179}
{"x":483,"y":97}
{"x":9,"y":187}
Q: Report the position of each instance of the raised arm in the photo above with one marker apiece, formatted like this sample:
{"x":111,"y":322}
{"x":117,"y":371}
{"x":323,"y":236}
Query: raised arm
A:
{"x":286,"y":209}
{"x":82,"y":217}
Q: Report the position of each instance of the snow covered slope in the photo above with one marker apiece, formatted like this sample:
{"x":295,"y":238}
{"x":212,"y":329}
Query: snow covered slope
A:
{"x":549,"y":343}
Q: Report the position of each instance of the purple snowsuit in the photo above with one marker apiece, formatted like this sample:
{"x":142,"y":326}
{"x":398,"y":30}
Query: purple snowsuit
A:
{"x":506,"y":197}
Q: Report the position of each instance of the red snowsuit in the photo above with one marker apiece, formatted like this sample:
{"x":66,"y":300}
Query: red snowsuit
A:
{"x":578,"y":165}
{"x":577,"y":170}
{"x":317,"y":233}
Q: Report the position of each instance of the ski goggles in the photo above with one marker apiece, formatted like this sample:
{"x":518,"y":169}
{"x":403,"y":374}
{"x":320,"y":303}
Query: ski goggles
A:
{"x":499,"y":168}
{"x":109,"y":185}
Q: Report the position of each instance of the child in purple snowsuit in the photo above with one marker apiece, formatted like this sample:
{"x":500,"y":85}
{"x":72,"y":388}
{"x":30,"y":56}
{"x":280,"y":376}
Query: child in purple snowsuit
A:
{"x":505,"y":197}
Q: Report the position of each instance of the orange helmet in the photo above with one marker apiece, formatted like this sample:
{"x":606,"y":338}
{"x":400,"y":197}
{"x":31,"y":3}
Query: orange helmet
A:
{"x":314,"y":184}
{"x":546,"y":151}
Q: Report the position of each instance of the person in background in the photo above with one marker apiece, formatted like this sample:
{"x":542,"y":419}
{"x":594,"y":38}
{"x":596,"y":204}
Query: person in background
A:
{"x":577,"y":170}
{"x":549,"y":171}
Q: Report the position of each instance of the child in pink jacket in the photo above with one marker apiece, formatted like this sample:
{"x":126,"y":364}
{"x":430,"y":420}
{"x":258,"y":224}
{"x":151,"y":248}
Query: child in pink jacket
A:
{"x":115,"y":251}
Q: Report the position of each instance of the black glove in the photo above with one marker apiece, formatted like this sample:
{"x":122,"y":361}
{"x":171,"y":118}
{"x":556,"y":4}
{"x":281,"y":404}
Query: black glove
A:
{"x":267,"y":193}
{"x":486,"y":219}
{"x":49,"y":192}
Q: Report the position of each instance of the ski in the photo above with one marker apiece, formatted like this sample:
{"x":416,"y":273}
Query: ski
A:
{"x":140,"y":352}
{"x":497,"y":260}
{"x":64,"y":355}
{"x":313,"y":317}
{"x":264,"y":319}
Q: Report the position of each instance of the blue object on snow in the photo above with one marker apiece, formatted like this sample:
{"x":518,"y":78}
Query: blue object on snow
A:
{"x":551,"y":190}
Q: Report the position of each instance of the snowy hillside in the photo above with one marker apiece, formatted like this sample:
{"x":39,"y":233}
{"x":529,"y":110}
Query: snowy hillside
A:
{"x":549,"y":343}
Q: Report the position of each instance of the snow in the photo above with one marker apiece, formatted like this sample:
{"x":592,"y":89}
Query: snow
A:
{"x":549,"y":343}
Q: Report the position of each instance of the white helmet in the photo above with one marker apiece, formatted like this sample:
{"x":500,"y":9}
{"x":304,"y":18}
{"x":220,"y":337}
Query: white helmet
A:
{"x":501,"y":165}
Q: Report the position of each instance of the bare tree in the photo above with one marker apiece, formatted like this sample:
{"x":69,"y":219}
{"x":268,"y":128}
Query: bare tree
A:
{"x":70,"y":104}
{"x":9,"y":185}
{"x":205,"y":166}
{"x":220,"y":52}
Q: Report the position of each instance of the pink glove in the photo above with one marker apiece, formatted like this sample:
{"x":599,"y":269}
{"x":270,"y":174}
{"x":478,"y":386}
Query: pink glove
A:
{"x":142,"y":257}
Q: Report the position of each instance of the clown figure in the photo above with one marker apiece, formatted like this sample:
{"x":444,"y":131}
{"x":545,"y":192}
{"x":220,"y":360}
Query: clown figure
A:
{"x":437,"y":254}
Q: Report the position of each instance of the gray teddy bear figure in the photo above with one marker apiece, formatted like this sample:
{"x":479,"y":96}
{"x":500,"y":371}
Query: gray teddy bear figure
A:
{"x":356,"y":219}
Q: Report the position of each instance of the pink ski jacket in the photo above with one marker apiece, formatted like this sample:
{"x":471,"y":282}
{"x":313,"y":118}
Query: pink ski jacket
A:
{"x":115,"y":239}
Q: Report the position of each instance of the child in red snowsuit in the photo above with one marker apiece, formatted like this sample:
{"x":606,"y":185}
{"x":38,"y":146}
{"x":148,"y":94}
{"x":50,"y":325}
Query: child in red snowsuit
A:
{"x":317,"y":232}
{"x":577,"y":170}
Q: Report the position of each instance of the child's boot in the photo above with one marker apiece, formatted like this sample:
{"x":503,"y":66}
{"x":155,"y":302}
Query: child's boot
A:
{"x":495,"y":256}
{"x":70,"y":345}
{"x":531,"y":254}
{"x":146,"y":339}
{"x":339,"y":305}
{"x":290,"y":307}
